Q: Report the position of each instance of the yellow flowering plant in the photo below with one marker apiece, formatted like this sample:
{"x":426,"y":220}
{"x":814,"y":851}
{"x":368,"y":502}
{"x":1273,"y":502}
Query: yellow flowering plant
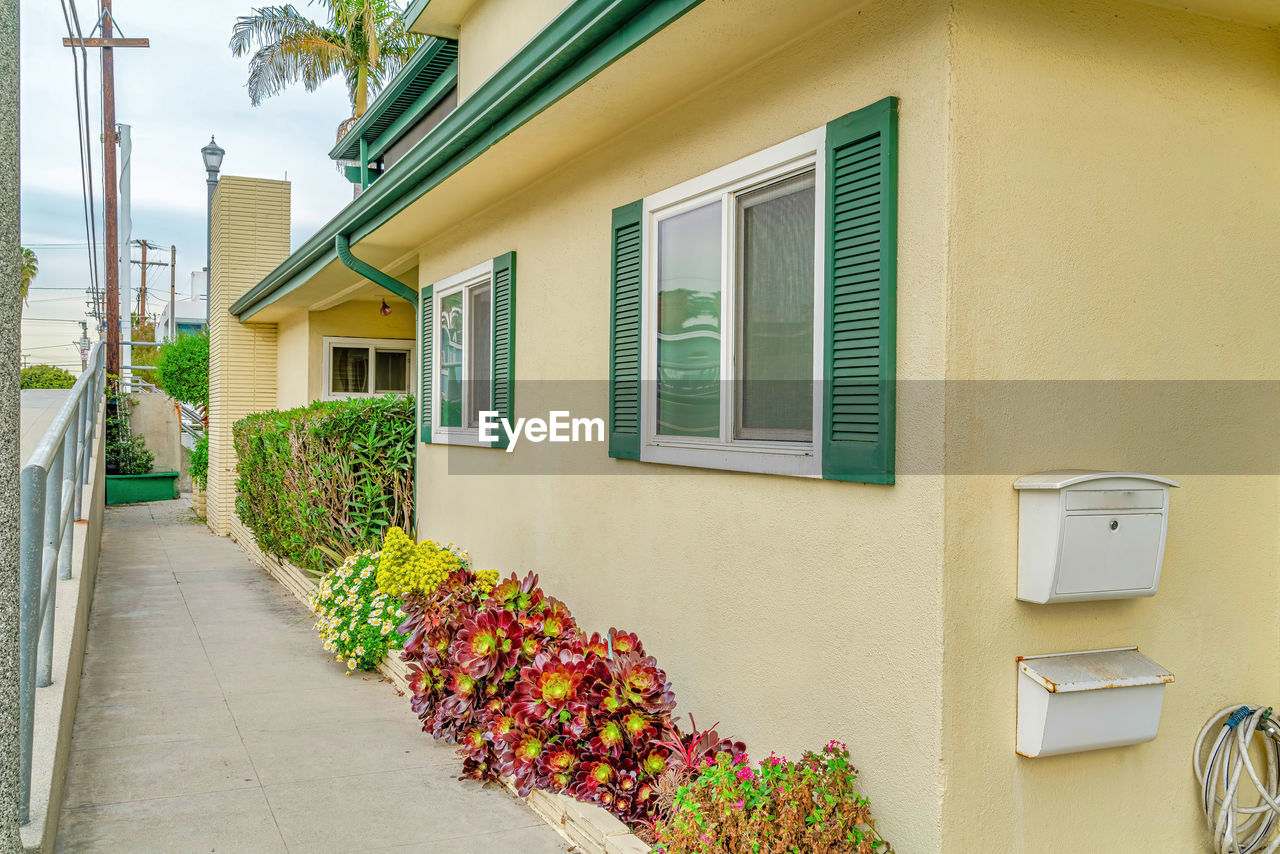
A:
{"x":408,"y":567}
{"x":356,"y":621}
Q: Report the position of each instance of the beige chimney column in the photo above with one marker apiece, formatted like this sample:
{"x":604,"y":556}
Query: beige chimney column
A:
{"x":250,"y":239}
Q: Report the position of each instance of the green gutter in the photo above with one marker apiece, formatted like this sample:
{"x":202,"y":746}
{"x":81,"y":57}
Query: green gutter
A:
{"x":372,"y":273}
{"x":583,"y":40}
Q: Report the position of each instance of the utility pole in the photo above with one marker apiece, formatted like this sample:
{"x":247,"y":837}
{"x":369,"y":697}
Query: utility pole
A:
{"x":142,"y":294}
{"x":83,"y":345}
{"x":172,"y":332}
{"x":110,"y":194}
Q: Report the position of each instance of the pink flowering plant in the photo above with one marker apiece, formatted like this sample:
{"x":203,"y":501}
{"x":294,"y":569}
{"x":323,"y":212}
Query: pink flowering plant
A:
{"x":777,"y":807}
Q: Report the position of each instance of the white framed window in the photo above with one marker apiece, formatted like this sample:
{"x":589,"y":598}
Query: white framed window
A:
{"x":733,"y":306}
{"x":366,"y":367}
{"x":462,"y":379}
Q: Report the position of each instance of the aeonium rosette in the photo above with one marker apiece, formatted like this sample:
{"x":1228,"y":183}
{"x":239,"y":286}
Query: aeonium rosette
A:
{"x":550,"y":691}
{"x":488,"y":643}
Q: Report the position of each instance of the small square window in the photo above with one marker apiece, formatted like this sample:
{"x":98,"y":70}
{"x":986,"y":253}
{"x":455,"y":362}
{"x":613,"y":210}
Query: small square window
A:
{"x":366,"y":367}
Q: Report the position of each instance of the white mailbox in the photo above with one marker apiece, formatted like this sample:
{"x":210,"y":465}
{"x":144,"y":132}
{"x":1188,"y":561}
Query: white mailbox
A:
{"x":1090,"y":535}
{"x":1076,"y":701}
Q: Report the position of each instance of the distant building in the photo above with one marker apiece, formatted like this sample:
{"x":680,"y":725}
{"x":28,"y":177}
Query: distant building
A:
{"x":191,"y":310}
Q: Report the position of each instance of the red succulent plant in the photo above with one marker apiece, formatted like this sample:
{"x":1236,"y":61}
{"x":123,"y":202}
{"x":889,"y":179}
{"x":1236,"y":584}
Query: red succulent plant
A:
{"x":487,"y":643}
{"x":550,"y":690}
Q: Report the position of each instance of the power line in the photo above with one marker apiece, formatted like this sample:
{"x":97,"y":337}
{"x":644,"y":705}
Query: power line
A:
{"x":80,"y":73}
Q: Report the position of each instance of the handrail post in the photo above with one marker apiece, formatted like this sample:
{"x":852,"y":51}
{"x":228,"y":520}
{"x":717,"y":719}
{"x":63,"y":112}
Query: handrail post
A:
{"x":68,"y":496}
{"x":31,"y":555}
{"x":49,"y":559}
{"x":81,"y":457}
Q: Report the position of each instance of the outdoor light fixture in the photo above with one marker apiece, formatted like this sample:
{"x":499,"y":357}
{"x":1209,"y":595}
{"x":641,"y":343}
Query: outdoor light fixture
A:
{"x":386,"y":309}
{"x":212,"y":154}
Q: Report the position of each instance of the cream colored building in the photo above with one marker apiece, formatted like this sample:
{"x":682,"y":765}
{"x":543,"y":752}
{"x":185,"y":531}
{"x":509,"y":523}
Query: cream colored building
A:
{"x":1043,"y":233}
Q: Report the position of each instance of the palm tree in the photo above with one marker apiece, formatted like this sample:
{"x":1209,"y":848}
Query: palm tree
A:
{"x":30,"y":267}
{"x":363,"y":40}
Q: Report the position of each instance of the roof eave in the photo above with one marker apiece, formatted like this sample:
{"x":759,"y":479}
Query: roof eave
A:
{"x":588,"y":36}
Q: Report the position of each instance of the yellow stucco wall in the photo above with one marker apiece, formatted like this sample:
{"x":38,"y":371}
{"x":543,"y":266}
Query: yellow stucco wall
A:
{"x":250,"y":238}
{"x":1115,"y":206}
{"x":812,"y":610}
{"x":493,"y":31}
{"x":300,"y":364}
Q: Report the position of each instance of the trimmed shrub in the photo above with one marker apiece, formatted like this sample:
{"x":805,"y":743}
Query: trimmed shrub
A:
{"x":182,"y":371}
{"x":356,"y":621}
{"x":325,"y":481}
{"x":46,"y":376}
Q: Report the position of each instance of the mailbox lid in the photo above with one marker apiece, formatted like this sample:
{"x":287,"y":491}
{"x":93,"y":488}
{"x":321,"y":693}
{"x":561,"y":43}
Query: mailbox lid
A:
{"x":1063,"y":478}
{"x":1092,"y":670}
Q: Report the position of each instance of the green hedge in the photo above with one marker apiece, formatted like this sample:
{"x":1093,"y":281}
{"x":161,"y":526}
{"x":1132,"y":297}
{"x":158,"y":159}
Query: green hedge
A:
{"x":319,"y":483}
{"x":46,"y":376}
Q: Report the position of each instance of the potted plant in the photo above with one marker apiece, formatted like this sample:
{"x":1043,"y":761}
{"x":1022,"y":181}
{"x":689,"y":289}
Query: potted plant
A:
{"x":130,"y":478}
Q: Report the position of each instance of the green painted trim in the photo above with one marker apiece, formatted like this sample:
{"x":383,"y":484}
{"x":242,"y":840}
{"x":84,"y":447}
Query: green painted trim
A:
{"x":866,"y":302}
{"x":625,"y":387}
{"x":584,"y":39}
{"x":372,"y":273}
{"x":364,"y":164}
{"x":415,"y":111}
{"x":503,"y":338}
{"x":414,"y":12}
{"x":344,"y":148}
{"x":426,"y":341}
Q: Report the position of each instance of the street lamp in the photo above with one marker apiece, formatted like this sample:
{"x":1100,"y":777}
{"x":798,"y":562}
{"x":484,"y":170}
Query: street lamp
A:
{"x":212,"y":154}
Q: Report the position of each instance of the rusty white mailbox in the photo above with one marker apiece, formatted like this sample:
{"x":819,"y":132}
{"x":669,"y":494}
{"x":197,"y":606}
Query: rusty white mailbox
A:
{"x":1074,"y":701}
{"x":1090,"y":535}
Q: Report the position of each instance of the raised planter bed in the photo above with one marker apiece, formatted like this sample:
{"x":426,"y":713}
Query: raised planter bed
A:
{"x":135,"y":488}
{"x":592,"y":829}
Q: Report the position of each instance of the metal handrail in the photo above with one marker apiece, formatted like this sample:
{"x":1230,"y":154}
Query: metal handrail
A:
{"x":52,"y":494}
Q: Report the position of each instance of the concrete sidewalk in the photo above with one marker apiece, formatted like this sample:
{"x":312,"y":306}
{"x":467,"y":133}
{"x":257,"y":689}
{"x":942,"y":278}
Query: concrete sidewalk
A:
{"x":211,"y":720}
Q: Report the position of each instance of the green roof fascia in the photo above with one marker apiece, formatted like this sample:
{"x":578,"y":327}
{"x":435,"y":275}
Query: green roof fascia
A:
{"x":347,"y":148}
{"x":414,"y":12}
{"x":585,"y":38}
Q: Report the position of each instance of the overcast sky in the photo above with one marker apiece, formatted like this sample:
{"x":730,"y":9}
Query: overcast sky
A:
{"x":174,"y":94}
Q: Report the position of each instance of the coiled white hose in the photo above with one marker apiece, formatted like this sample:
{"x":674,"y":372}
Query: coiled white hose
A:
{"x":1240,"y":829}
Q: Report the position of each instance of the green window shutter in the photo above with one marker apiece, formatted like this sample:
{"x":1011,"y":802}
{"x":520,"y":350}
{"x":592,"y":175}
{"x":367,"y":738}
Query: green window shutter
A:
{"x":504,"y":333}
{"x":861,"y":295}
{"x":426,"y":309}
{"x":624,"y":333}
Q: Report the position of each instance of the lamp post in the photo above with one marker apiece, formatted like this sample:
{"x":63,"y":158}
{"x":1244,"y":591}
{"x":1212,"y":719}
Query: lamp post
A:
{"x":212,"y":154}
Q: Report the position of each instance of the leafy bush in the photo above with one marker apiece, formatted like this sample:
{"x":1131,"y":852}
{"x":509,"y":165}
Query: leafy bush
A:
{"x":778,"y":807}
{"x":182,"y":371}
{"x":199,"y":460}
{"x":126,"y":453}
{"x":46,"y":376}
{"x":317,"y":483}
{"x":357,"y":621}
{"x":507,"y":674}
{"x":408,"y":567}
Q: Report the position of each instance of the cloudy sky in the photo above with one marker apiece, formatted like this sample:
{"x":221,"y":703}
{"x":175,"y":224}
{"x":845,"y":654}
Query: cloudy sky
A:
{"x":185,"y":87}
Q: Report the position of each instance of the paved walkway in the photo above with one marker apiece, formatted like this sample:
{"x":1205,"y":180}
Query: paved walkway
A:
{"x":210,"y":720}
{"x":39,"y":406}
